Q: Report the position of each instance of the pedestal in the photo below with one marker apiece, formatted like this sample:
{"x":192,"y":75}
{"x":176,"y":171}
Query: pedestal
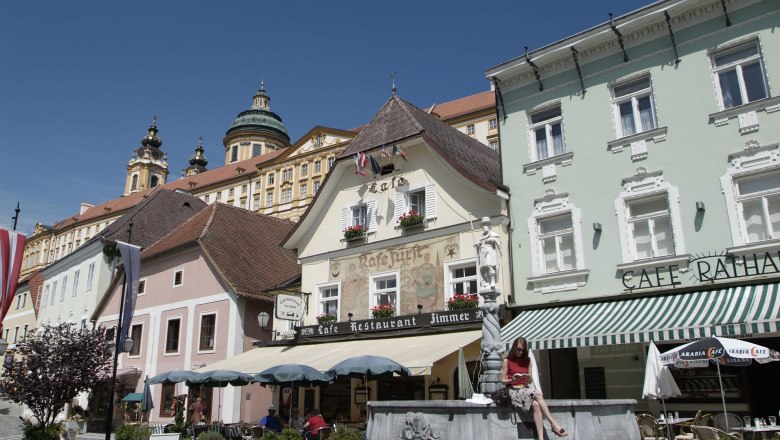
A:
{"x":492,"y":347}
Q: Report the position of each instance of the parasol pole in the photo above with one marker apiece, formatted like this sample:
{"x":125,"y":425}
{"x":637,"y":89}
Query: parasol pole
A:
{"x":722,"y":396}
{"x":668,"y":425}
{"x":289,"y":415}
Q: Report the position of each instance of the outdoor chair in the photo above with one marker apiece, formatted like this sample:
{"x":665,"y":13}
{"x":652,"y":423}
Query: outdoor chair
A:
{"x":158,"y":428}
{"x":649,"y":428}
{"x":256,"y":431}
{"x":735,"y":422}
{"x":322,"y":434}
{"x":686,"y":426}
{"x":710,"y":433}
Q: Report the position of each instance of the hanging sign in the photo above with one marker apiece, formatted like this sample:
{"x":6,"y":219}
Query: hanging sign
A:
{"x":289,"y":307}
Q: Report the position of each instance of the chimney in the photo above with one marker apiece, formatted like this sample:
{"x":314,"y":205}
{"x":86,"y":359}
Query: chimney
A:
{"x":84,"y":207}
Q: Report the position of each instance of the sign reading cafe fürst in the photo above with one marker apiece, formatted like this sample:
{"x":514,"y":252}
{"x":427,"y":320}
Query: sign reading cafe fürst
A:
{"x":403,"y":322}
{"x":706,"y":268}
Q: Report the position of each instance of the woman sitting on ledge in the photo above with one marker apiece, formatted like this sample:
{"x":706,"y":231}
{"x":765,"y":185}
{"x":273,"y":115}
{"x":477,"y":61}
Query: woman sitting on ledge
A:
{"x":516,"y":374}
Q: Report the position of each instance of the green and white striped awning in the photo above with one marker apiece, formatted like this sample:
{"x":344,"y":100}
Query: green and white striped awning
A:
{"x":736,"y":311}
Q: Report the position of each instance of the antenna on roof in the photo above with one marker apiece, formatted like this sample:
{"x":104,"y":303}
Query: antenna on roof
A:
{"x":392,"y":76}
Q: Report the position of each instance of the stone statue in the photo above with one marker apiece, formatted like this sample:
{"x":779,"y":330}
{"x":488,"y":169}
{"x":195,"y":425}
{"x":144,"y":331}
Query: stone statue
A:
{"x":488,"y":256}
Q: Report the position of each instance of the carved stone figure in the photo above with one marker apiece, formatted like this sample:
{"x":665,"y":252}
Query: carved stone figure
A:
{"x":488,"y":256}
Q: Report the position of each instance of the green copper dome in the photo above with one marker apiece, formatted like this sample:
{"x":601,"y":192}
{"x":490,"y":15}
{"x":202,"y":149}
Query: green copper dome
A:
{"x":259,"y":118}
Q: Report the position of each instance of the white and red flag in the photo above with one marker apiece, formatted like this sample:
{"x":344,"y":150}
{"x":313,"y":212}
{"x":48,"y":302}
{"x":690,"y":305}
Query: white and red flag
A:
{"x":11,"y":251}
{"x":361,"y":160}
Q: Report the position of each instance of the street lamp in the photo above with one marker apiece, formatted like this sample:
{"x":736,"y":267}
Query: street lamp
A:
{"x":262,"y":319}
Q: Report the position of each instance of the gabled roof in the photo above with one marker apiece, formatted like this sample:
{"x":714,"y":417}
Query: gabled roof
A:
{"x":399,"y":120}
{"x":464,"y":106}
{"x":244,"y":247}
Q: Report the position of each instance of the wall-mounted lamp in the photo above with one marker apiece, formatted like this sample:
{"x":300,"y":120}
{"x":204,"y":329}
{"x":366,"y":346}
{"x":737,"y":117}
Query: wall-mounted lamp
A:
{"x":350,"y":316}
{"x":700,"y":206}
{"x":419,"y":308}
{"x":262,"y":319}
{"x":128,"y":344}
{"x":597,"y":227}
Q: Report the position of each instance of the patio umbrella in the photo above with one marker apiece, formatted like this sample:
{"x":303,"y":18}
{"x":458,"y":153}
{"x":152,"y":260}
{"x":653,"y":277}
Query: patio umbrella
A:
{"x":659,"y":383}
{"x":146,"y":403}
{"x":280,"y":374}
{"x":174,"y":376}
{"x":465,"y":389}
{"x":220,"y":379}
{"x":368,"y":367}
{"x":720,"y":351}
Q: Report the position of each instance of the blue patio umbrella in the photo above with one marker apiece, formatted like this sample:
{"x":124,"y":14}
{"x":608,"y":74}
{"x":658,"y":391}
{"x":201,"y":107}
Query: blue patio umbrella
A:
{"x":368,"y":367}
{"x":220,"y":378}
{"x":146,"y":402}
{"x":292,"y":373}
{"x":174,"y":376}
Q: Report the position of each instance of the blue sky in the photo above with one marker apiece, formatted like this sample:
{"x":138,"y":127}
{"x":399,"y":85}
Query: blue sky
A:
{"x":81,"y":80}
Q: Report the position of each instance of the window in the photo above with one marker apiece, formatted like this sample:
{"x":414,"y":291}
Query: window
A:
{"x":492,"y":123}
{"x":330,"y":162}
{"x":74,"y":290}
{"x":271,"y":178}
{"x":470,"y":129}
{"x":243,"y":189}
{"x":206,"y":198}
{"x":633,"y":103}
{"x":25,"y":330}
{"x":234,"y":153}
{"x":141,"y":287}
{"x":318,"y":141}
{"x":258,"y":184}
{"x":493,"y":145}
{"x":16,"y":334}
{"x":207,"y":332}
{"x":231,"y":192}
{"x":359,"y":215}
{"x":329,"y":300}
{"x":463,"y":279}
{"x":758,"y":201}
{"x":315,"y":186}
{"x":178,"y":278}
{"x":219,"y":196}
{"x":269,"y":198}
{"x":256,"y":149}
{"x":286,"y":195}
{"x":384,"y":290}
{"x":547,"y":133}
{"x":172,"y":336}
{"x":556,"y":241}
{"x":287,"y":175}
{"x":24,"y":299}
{"x":134,"y":182}
{"x":256,"y":202}
{"x":739,"y":74}
{"x":136,"y":332}
{"x":90,"y":275}
{"x":304,"y":191}
{"x":417,"y":202}
{"x":304,"y":169}
{"x":420,"y":199}
{"x":317,"y":166}
{"x":53,"y":292}
{"x":166,"y":397}
{"x":45,"y":295}
{"x":649,"y":227}
{"x":18,"y":300}
{"x":242,"y":204}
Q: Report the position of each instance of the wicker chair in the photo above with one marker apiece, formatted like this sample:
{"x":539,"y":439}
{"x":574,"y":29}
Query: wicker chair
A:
{"x":689,"y":435}
{"x":735,"y":422}
{"x":649,"y":428}
{"x":710,"y":433}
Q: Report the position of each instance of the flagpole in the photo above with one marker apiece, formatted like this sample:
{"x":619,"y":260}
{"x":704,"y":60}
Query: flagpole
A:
{"x":15,"y":218}
{"x":112,"y":388}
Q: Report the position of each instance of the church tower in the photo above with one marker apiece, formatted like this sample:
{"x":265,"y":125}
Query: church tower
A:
{"x":255,"y":131}
{"x":198,"y":161}
{"x":149,"y":165}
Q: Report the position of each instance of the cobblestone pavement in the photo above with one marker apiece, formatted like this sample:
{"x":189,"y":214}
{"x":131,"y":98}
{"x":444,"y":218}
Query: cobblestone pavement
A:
{"x":11,"y":426}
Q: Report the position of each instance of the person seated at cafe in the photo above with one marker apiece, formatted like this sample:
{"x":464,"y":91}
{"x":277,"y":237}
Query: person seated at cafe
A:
{"x":271,"y":422}
{"x":314,"y":424}
{"x":297,"y":421}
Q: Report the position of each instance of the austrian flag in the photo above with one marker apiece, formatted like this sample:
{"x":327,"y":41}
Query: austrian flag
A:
{"x":11,"y":251}
{"x":361,"y":160}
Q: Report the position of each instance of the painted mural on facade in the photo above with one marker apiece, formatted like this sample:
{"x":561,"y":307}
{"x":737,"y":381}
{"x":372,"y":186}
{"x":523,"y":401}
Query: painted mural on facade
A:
{"x":420,"y":268}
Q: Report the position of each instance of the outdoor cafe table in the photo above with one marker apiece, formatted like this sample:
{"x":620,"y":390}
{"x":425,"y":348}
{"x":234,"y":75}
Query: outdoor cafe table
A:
{"x":762,"y":430}
{"x":669,"y":422}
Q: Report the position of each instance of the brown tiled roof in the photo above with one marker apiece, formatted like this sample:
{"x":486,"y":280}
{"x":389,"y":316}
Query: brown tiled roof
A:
{"x":399,"y":120}
{"x":153,"y":217}
{"x":464,"y":106}
{"x":245,"y":247}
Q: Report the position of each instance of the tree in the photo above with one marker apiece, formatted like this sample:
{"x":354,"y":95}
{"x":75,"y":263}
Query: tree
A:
{"x":54,"y":366}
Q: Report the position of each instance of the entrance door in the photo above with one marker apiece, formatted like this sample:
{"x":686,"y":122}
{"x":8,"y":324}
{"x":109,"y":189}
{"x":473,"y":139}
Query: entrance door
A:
{"x":564,"y":374}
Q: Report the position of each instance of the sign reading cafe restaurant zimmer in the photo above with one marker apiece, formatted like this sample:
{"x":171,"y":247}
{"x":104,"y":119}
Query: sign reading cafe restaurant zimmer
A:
{"x":404,"y":322}
{"x":705,"y":268}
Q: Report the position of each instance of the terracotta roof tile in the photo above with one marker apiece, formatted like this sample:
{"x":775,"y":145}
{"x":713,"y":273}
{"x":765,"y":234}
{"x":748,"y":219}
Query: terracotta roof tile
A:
{"x":464,"y":106}
{"x":244,"y":246}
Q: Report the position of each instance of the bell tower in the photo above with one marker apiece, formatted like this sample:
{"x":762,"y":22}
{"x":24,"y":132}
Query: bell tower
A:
{"x":148,"y":167}
{"x":198,"y":161}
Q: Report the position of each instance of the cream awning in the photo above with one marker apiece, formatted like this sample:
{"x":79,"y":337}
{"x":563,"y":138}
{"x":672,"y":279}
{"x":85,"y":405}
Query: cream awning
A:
{"x":418,"y":353}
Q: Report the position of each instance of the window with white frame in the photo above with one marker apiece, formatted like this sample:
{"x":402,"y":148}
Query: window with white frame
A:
{"x":304,"y":169}
{"x":258,"y":185}
{"x":208,"y":332}
{"x":493,"y":144}
{"x":64,"y":287}
{"x":421,"y":199}
{"x":178,"y":278}
{"x":329,"y":300}
{"x":633,"y":104}
{"x":242,"y":204}
{"x":555,"y":237}
{"x":287,"y":175}
{"x":255,"y":202}
{"x":285,"y":196}
{"x":547,"y":132}
{"x":172,"y":336}
{"x":359,"y":215}
{"x":304,"y":190}
{"x":650,"y":227}
{"x":74,"y":290}
{"x":90,"y":276}
{"x":315,"y":186}
{"x":739,"y":74}
{"x":45,"y":295}
{"x":492,"y":123}
{"x":269,"y":198}
{"x":470,"y":129}
{"x":231,"y":193}
{"x":219,"y":196}
{"x":758,"y":202}
{"x":206,"y":199}
{"x":330,"y":162}
{"x":317,"y":166}
{"x":462,"y":278}
{"x":136,"y":332}
{"x":384,"y":290}
{"x":271,"y":178}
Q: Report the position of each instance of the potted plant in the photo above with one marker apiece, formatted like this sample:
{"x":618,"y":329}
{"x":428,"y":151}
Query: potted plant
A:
{"x":326,"y":318}
{"x":411,"y":219}
{"x":354,"y":232}
{"x":463,"y":301}
{"x":383,"y":311}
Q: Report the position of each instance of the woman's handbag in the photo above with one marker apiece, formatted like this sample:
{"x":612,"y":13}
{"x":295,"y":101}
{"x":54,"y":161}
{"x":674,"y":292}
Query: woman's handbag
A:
{"x":501,"y":397}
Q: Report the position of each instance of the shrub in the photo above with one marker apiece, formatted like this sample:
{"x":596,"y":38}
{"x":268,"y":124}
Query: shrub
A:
{"x":290,"y":434}
{"x":346,"y":433}
{"x":268,"y":435}
{"x":132,"y":432}
{"x":40,"y":432}
{"x":210,"y":435}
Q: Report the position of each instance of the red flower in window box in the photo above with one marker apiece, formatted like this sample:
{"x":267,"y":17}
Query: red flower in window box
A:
{"x":353,"y":232}
{"x":411,"y":219}
{"x":383,"y":311}
{"x":464,"y":301}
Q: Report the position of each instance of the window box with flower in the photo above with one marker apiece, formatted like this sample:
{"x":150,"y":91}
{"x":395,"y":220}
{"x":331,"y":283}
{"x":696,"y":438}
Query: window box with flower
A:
{"x":326,"y":318}
{"x":383,"y":311}
{"x":463,"y":301}
{"x":411,"y":219}
{"x":355,"y":232}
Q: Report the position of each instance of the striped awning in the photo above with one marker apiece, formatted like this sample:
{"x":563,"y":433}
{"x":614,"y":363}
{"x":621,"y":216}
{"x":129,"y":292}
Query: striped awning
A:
{"x":736,"y":311}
